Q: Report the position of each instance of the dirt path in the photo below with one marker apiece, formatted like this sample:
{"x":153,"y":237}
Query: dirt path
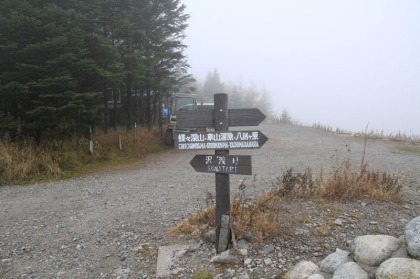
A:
{"x":99,"y":225}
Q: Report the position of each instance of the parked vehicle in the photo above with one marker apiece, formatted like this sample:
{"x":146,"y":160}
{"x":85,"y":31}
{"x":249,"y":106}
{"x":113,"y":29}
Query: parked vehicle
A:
{"x":181,"y":102}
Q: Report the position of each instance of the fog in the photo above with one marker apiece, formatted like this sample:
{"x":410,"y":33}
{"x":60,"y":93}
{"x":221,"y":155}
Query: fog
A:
{"x":341,"y":63}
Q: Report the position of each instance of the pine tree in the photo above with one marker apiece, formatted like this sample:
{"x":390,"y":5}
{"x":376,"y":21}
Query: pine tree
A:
{"x":60,"y":57}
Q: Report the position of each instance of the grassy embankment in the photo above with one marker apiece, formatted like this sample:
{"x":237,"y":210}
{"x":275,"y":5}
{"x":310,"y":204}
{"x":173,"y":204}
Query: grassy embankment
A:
{"x":401,"y":141}
{"x":25,"y":162}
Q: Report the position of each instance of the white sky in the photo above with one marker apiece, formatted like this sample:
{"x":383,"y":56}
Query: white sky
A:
{"x":343,"y":63}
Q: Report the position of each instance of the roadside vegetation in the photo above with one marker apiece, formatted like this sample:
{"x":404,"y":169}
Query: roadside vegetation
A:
{"x":402,"y":141}
{"x":260,"y":216}
{"x":27,"y":162}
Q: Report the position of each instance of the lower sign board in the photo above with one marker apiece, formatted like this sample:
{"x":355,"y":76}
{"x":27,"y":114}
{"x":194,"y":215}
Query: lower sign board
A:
{"x":219,"y":140}
{"x":228,"y":164}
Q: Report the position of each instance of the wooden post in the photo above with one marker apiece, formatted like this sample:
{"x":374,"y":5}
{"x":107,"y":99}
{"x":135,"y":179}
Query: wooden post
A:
{"x":135,"y":132}
{"x":221,"y":118}
{"x":91,"y":140}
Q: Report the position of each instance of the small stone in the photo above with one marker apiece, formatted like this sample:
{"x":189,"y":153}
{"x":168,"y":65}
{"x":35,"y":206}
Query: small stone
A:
{"x":6,"y":261}
{"x":226,"y":258}
{"x":268,"y":261}
{"x":244,"y":252}
{"x":373,"y":222}
{"x":247,"y":261}
{"x":268,"y":249}
{"x":243,"y":244}
{"x":26,"y":249}
{"x":338,"y":222}
{"x":210,"y":236}
{"x":248,"y":237}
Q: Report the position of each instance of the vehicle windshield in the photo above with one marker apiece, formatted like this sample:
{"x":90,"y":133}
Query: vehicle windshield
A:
{"x":183,"y":104}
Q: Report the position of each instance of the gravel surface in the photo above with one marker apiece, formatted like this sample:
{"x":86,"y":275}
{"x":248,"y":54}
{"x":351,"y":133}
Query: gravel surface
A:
{"x":109,"y":224}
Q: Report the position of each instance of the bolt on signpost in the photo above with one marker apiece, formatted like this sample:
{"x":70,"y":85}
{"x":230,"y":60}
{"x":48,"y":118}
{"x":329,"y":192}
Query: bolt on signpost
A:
{"x":221,"y":140}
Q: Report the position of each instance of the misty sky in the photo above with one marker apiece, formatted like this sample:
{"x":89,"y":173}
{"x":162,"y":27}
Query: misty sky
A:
{"x":342,"y":63}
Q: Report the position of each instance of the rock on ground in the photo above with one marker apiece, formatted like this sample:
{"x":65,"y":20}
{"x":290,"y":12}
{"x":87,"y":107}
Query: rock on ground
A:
{"x":399,"y":268}
{"x":372,"y":250}
{"x":350,"y":270}
{"x":332,"y":262}
{"x":302,"y":270}
{"x":412,"y":237}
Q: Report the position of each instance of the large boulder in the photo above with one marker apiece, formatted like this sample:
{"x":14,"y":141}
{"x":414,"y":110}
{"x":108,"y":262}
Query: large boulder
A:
{"x":350,"y":270}
{"x":332,"y":262}
{"x":302,"y":270}
{"x":372,"y":250}
{"x":412,"y":237}
{"x":399,"y":268}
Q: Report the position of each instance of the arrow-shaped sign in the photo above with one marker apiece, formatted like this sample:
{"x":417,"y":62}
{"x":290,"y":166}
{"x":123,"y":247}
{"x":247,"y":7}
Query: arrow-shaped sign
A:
{"x":222,"y":164}
{"x":205,"y":118}
{"x":219,"y":140}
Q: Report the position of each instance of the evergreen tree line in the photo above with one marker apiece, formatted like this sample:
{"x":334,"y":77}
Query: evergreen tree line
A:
{"x":240,"y":96}
{"x":68,"y":65}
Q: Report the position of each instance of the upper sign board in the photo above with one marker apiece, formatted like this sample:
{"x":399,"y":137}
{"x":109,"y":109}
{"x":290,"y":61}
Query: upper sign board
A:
{"x":205,"y":118}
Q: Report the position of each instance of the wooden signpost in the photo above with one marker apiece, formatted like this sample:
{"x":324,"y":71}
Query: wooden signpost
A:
{"x":221,"y":140}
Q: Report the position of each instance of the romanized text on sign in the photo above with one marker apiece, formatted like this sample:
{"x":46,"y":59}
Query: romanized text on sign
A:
{"x":222,"y":164}
{"x":219,"y":140}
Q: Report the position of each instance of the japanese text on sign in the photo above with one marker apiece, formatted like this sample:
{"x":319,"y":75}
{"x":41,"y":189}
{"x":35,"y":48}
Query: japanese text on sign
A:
{"x":219,"y":140}
{"x":218,"y":136}
{"x":220,"y":164}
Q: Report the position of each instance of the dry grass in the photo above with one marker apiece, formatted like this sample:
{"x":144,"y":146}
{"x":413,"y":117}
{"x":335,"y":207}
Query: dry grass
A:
{"x":260,"y":216}
{"x":344,"y":182}
{"x":25,"y":162}
{"x":184,"y":227}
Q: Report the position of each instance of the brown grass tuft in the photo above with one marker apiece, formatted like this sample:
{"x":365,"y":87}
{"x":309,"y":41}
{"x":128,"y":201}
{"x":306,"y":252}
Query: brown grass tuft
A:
{"x":182,"y":228}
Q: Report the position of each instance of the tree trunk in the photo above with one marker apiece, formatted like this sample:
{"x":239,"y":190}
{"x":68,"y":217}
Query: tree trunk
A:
{"x":127,"y":105}
{"x":114,"y":95}
{"x":148,"y":110}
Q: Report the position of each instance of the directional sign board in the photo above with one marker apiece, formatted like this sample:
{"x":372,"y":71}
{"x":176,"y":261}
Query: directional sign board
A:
{"x":219,"y":140}
{"x":222,"y":164}
{"x":205,"y":118}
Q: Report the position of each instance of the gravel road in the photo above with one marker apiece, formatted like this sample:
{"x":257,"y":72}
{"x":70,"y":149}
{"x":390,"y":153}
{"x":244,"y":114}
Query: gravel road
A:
{"x":98,"y":226}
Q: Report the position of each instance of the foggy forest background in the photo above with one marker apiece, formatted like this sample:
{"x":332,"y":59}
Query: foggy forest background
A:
{"x":68,"y":66}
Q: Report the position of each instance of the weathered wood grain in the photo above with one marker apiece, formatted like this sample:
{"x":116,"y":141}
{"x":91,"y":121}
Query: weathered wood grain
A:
{"x":205,"y":118}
